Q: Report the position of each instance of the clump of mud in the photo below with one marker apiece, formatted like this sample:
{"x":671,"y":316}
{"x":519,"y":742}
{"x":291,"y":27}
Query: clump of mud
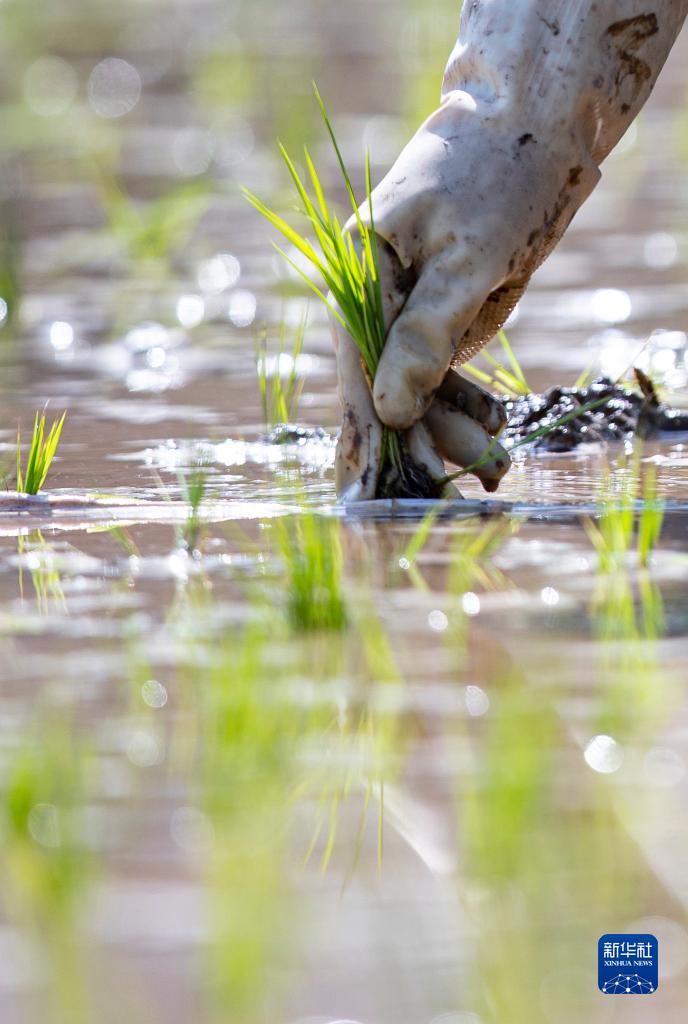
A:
{"x":410,"y":480}
{"x":621,"y":413}
{"x":291,"y":433}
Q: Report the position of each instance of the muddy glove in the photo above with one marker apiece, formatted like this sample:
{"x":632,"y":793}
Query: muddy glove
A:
{"x":535,"y":95}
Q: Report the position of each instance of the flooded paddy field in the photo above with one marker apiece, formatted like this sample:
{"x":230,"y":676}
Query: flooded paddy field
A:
{"x":263,"y":758}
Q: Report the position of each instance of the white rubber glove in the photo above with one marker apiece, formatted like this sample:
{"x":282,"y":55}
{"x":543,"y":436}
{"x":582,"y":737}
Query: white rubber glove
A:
{"x":535,"y":95}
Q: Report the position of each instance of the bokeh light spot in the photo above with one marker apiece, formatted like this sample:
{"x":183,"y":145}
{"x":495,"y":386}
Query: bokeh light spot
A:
{"x":241,"y":308}
{"x":50,"y":86}
{"x":438,"y":621}
{"x":611,"y":305}
{"x":114,"y":87}
{"x":603,"y":754}
{"x":61,"y":335}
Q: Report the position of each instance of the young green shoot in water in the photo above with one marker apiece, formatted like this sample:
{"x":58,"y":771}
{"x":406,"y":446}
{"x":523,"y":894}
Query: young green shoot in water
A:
{"x":41,"y":454}
{"x":621,"y":519}
{"x":509,"y":380}
{"x":280,"y":393}
{"x":10,"y":266}
{"x":352,"y":277}
{"x":311,"y":550}
{"x":193,"y":487}
{"x":47,"y":866}
{"x":627,"y":604}
{"x":152,"y":231}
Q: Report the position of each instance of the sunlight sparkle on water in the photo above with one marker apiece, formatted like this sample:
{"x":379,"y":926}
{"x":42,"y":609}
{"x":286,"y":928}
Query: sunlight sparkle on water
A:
{"x":611,"y":305}
{"x":477,"y":702}
{"x":438,"y":621}
{"x":603,"y":754}
{"x":114,"y":87}
{"x":666,"y":358}
{"x":146,"y":336}
{"x":549,"y":596}
{"x":156,"y":356}
{"x":50,"y":86}
{"x":192,"y":151}
{"x":218,"y":273}
{"x":281,"y":365}
{"x":154,"y":694}
{"x":61,"y":335}
{"x":616,"y":349}
{"x":470,"y":603}
{"x":144,"y":749}
{"x":190,"y":310}
{"x":660,"y":250}
{"x":241,"y":308}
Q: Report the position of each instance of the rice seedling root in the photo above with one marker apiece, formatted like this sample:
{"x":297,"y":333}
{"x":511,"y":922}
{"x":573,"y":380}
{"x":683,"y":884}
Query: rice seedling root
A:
{"x":406,"y":478}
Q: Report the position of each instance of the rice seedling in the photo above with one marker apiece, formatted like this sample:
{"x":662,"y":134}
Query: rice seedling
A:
{"x":280,"y":393}
{"x":353,"y":296}
{"x":630,"y":510}
{"x":651,"y":518}
{"x":244,"y":732}
{"x":45,"y":861}
{"x":472,"y":548}
{"x":584,"y":378}
{"x":39,"y":557}
{"x":359,"y":751}
{"x":352,"y":760}
{"x":310,"y":548}
{"x":193,"y":487}
{"x":10,"y":268}
{"x":419,"y":539}
{"x":626,"y":532}
{"x":151,"y":231}
{"x":509,"y":380}
{"x":41,"y":454}
{"x":472,"y":554}
{"x":41,"y":790}
{"x":124,"y":541}
{"x":521,"y":751}
{"x":352,"y":279}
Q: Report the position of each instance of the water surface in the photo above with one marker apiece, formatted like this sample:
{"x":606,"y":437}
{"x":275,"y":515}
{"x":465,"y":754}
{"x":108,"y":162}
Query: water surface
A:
{"x":208,"y":813}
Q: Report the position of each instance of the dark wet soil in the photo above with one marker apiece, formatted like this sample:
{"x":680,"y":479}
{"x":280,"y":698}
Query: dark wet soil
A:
{"x":608,"y":412}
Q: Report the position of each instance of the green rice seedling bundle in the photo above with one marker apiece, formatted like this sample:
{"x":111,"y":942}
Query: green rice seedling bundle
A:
{"x":352,"y":278}
{"x":41,"y":454}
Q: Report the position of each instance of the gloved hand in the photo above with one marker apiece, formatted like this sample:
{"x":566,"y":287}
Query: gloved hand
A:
{"x":536,"y":94}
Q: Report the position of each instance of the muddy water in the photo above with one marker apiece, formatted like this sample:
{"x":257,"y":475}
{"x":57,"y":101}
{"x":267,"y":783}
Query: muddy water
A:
{"x":209,"y":814}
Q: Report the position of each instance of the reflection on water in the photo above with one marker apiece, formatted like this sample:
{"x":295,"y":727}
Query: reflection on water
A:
{"x":259,"y":764}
